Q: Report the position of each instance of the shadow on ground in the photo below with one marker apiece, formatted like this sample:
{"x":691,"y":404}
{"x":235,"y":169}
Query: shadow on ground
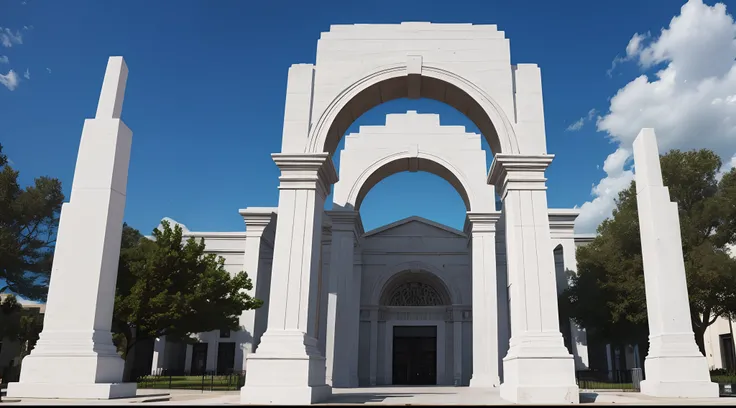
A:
{"x":588,"y":397}
{"x":376,"y":397}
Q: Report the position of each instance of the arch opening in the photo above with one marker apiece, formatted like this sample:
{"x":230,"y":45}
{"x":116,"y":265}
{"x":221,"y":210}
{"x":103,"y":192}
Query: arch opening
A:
{"x":415,"y":288}
{"x":408,"y":165}
{"x":393,"y":83}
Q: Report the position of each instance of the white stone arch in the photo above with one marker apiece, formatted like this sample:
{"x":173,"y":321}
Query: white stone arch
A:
{"x":393,"y":271}
{"x":398,"y":162}
{"x":388,"y":82}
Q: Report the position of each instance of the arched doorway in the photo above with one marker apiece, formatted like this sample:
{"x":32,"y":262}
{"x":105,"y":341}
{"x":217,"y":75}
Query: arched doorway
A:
{"x":413,"y":305}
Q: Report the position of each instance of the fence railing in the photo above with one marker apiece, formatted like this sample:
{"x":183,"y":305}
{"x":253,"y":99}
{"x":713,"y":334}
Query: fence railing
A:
{"x":614,"y":380}
{"x":206,"y":381}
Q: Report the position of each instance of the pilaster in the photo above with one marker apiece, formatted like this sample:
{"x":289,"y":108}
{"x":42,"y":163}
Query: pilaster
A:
{"x":257,"y":220}
{"x":485,"y":309}
{"x":288,"y":368}
{"x":343,"y":310}
{"x":538,"y":369}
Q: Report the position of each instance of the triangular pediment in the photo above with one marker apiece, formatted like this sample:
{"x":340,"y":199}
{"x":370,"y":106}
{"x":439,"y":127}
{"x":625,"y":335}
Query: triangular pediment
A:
{"x":415,"y":226}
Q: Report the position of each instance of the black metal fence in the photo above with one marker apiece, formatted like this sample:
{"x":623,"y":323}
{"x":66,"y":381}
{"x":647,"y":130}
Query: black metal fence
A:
{"x":207,"y":381}
{"x":614,"y":380}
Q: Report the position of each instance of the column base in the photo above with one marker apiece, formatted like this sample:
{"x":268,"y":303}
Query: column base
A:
{"x":71,"y":391}
{"x":678,"y":377}
{"x":539,"y":379}
{"x":484,"y":381}
{"x":284,"y":381}
{"x":690,"y":389}
{"x":287,"y":369}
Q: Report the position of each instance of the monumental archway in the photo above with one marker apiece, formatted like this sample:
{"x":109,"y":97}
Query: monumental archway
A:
{"x":469,"y":68}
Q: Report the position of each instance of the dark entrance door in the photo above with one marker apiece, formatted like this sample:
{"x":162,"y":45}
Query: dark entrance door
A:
{"x":225,"y":357}
{"x":199,"y":358}
{"x":415,"y":355}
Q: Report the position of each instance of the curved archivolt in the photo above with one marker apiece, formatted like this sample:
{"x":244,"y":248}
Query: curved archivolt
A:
{"x":415,"y":294}
{"x":393,"y":83}
{"x":415,"y":289}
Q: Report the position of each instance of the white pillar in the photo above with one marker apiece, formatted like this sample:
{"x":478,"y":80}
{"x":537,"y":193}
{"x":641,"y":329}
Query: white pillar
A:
{"x":674,"y":367}
{"x":354,"y":317}
{"x":188,"y":359}
{"x":159,"y":355}
{"x":457,"y":341}
{"x":538,"y":369}
{"x":577,"y":334}
{"x":288,"y":368}
{"x":256,"y":222}
{"x":324,"y":285}
{"x":485,"y":308}
{"x":341,"y":312}
{"x":213,"y":340}
{"x":374,"y":347}
{"x":75,"y":356}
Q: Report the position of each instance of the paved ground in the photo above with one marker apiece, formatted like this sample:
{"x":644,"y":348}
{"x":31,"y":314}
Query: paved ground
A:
{"x":381,"y":396}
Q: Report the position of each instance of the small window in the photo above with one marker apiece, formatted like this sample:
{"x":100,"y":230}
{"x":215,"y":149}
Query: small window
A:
{"x":225,"y":333}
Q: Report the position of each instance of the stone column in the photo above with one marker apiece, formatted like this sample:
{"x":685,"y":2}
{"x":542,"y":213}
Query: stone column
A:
{"x":159,"y":356}
{"x":374,"y":347}
{"x":188,"y":359}
{"x":538,"y":369}
{"x":324,"y":292}
{"x":288,"y":368}
{"x":674,"y":367}
{"x":75,"y":356}
{"x":256,"y":222}
{"x":355,"y":304}
{"x":213,"y":341}
{"x":341,"y":311}
{"x":457,"y":341}
{"x":485,"y":309}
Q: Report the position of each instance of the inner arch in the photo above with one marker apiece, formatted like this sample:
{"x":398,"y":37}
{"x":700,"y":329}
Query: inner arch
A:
{"x":415,"y":288}
{"x":411,"y":164}
{"x":428,"y":85}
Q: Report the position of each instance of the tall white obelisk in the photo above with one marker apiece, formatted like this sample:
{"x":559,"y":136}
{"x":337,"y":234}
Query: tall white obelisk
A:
{"x":674,"y":367}
{"x":75,"y":356}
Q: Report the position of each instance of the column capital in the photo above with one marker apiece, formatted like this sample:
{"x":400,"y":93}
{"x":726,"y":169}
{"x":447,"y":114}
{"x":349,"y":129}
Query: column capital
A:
{"x":346,"y":220}
{"x":519,"y":172}
{"x":257,"y":219}
{"x":305,"y":171}
{"x":481,"y":222}
{"x":562,"y":222}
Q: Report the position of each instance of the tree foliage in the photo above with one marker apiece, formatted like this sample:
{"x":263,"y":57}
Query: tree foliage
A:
{"x":19,"y":324}
{"x":28,"y":221}
{"x":168,"y":286}
{"x":607,"y":295}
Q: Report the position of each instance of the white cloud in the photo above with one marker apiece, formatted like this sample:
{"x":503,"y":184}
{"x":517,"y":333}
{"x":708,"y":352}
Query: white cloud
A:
{"x":4,"y":59}
{"x":577,"y":125}
{"x":27,"y":74}
{"x":49,"y":70}
{"x":690,"y":102}
{"x":10,"y":80}
{"x":8,"y":38}
{"x":581,"y":122}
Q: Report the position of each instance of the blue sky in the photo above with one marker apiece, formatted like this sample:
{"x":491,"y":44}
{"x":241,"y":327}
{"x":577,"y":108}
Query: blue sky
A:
{"x":205,"y":95}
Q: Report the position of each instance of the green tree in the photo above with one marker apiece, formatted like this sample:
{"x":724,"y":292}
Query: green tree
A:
{"x":607,"y":295}
{"x":28,"y":221}
{"x":170,"y":287}
{"x":20,"y":324}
